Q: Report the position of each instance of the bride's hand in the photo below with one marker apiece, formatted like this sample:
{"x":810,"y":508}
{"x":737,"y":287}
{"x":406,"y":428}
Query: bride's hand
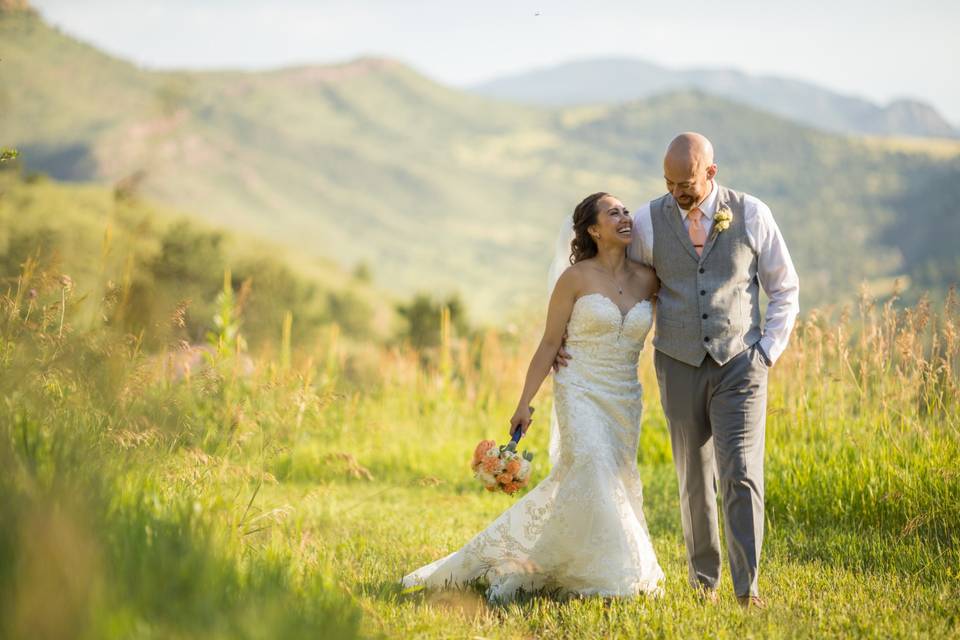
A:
{"x":521,"y":419}
{"x":562,"y":355}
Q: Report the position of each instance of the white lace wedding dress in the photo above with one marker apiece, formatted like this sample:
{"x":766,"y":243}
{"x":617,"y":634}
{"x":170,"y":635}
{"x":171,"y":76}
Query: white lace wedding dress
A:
{"x":581,"y":530}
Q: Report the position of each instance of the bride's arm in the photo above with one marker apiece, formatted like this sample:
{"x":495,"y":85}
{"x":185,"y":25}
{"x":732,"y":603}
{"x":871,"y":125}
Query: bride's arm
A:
{"x":558,"y":313}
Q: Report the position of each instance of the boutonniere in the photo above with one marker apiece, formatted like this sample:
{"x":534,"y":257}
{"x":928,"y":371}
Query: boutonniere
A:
{"x":721,"y":221}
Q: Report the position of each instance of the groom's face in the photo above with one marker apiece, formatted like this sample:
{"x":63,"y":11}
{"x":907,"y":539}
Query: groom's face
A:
{"x":688,"y":183}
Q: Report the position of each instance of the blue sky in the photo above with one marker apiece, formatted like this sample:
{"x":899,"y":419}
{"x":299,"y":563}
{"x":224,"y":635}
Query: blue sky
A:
{"x":880,"y":50}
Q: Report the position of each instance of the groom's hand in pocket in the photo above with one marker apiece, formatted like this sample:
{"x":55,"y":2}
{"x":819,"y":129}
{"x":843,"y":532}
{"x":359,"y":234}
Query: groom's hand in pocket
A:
{"x":562,"y":355}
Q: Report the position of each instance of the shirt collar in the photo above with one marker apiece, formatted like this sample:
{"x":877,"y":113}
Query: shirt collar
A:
{"x":709,"y":205}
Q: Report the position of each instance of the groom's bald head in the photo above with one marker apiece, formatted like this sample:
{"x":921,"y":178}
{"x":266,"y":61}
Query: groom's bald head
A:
{"x":688,"y":168}
{"x":690,"y":149}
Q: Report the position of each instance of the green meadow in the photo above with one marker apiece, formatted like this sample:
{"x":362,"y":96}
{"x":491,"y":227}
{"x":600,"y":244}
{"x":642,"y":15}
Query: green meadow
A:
{"x":253,"y":324}
{"x":212,"y":456}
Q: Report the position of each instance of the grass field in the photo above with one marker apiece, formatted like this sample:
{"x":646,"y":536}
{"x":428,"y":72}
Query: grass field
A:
{"x":287,"y":501}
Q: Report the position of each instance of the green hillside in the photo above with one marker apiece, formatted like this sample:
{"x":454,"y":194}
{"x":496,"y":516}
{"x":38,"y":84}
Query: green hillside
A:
{"x":148,"y":264}
{"x":837,"y":199}
{"x":436,"y":189}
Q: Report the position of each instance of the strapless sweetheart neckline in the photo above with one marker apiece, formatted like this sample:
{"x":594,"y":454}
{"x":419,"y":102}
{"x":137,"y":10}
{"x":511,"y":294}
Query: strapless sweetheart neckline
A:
{"x":623,"y":316}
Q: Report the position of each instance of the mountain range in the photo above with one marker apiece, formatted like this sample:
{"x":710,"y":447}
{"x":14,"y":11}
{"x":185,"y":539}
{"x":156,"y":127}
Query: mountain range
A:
{"x":441,"y":190}
{"x":613,"y":80}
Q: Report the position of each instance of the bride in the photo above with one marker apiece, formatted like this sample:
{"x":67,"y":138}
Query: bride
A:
{"x":581,"y":530}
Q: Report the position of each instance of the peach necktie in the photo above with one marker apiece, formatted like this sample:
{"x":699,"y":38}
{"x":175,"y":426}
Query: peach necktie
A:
{"x":698,"y":235}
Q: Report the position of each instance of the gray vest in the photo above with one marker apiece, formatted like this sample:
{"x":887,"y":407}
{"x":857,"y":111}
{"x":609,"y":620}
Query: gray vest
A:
{"x":708,"y":303}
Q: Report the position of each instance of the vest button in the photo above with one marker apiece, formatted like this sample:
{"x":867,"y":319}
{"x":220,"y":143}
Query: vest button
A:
{"x":706,"y":338}
{"x":704,"y":316}
{"x":702,"y":292}
{"x":702,"y":270}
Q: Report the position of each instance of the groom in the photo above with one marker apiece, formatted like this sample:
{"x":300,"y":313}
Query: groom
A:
{"x":713,"y":249}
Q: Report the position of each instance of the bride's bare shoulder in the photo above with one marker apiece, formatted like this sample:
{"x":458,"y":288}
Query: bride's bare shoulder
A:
{"x":573,"y":278}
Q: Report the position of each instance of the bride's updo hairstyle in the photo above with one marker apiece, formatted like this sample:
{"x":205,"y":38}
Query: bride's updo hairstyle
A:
{"x":583,"y":246}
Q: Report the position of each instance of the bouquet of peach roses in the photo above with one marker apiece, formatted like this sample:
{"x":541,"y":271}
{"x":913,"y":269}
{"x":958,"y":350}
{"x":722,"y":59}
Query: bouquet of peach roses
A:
{"x":501,"y":467}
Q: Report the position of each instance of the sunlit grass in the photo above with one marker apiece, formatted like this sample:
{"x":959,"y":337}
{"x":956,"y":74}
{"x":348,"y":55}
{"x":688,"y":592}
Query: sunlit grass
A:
{"x":287,"y":501}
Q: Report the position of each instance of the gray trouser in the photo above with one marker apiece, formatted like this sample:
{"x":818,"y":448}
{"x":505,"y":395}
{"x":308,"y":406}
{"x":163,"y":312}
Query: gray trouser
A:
{"x":717,"y":420}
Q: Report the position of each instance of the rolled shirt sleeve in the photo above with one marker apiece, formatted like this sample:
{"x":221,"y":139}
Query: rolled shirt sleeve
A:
{"x":777,"y":276}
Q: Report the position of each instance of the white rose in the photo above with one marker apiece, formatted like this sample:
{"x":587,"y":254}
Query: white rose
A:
{"x":486,"y":478}
{"x":524,"y":469}
{"x":492,"y":452}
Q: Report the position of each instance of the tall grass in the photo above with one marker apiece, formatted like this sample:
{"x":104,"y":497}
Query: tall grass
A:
{"x":129,"y":499}
{"x":866,"y":435}
{"x":249,"y":497}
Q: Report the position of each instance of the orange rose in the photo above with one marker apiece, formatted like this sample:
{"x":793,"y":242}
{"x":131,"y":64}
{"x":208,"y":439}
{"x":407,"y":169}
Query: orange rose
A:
{"x":491,"y":465}
{"x":481,"y":449}
{"x":513,"y":467}
{"x":505,"y":478}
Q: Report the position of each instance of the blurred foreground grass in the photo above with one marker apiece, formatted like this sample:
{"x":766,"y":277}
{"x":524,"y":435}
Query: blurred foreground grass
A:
{"x":146,"y":496}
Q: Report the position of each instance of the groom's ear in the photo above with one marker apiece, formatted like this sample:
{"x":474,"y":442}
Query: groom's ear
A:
{"x":712,"y":171}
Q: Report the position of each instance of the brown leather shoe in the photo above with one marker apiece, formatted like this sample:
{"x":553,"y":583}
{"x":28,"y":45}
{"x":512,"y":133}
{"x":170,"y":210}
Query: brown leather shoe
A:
{"x":751,"y":602}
